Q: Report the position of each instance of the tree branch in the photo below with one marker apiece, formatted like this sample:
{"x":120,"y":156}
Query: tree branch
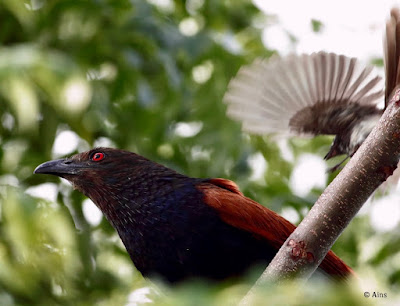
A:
{"x":373,"y":163}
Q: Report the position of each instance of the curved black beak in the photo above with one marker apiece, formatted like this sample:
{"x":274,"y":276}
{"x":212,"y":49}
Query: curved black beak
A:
{"x":57,"y":167}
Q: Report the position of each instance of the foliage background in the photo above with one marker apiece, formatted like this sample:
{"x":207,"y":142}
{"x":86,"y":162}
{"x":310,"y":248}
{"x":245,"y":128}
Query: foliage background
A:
{"x":132,"y":74}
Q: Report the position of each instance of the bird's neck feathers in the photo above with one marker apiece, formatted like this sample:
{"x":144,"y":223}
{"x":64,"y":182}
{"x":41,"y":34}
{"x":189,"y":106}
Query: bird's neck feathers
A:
{"x":144,"y":203}
{"x":129,"y":188}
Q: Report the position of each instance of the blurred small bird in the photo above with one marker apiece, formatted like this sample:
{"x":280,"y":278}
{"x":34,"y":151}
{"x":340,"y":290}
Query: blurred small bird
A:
{"x":176,"y":227}
{"x":321,"y":93}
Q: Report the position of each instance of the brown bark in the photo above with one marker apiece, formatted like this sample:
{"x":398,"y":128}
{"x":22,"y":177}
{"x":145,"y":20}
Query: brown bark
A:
{"x":373,"y":163}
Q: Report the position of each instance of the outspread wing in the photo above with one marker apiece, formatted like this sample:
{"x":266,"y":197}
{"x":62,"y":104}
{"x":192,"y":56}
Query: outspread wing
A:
{"x":241,"y":212}
{"x":302,"y":94}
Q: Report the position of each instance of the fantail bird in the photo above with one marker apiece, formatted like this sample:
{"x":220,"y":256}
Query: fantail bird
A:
{"x":321,"y":93}
{"x":177,"y":227}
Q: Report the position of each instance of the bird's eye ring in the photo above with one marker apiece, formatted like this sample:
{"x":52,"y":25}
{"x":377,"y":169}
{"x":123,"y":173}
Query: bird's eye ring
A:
{"x":97,"y":156}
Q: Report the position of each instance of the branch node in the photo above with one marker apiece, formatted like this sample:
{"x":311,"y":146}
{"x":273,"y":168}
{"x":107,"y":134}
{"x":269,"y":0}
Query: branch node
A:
{"x":310,"y":257}
{"x":386,"y":171}
{"x":298,"y":249}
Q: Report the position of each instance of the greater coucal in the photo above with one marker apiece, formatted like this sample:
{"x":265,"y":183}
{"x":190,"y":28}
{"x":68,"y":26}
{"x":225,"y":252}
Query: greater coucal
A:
{"x":321,"y":93}
{"x":177,"y":227}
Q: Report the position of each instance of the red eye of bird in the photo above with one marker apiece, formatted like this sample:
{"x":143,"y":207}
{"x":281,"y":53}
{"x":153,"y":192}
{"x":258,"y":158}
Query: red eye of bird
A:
{"x":97,"y":156}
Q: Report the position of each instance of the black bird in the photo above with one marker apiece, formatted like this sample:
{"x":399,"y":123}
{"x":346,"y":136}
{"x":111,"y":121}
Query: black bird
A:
{"x":177,"y":227}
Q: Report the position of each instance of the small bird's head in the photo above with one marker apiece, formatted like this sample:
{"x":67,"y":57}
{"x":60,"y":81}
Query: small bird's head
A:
{"x":98,"y":171}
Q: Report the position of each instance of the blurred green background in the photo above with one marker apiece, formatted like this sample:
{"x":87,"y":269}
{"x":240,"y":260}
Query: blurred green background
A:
{"x":146,"y":76}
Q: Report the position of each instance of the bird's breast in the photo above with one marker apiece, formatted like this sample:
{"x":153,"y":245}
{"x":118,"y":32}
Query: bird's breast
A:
{"x":176,"y":235}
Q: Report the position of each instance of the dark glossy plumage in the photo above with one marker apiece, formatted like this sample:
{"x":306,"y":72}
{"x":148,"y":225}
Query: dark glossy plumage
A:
{"x":175,"y":226}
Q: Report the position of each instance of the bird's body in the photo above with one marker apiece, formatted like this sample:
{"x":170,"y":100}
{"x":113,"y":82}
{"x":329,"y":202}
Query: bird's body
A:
{"x":170,"y":232}
{"x":176,"y":227}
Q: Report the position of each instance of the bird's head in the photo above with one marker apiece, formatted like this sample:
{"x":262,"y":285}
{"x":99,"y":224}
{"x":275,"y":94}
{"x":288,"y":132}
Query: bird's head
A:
{"x":98,"y":171}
